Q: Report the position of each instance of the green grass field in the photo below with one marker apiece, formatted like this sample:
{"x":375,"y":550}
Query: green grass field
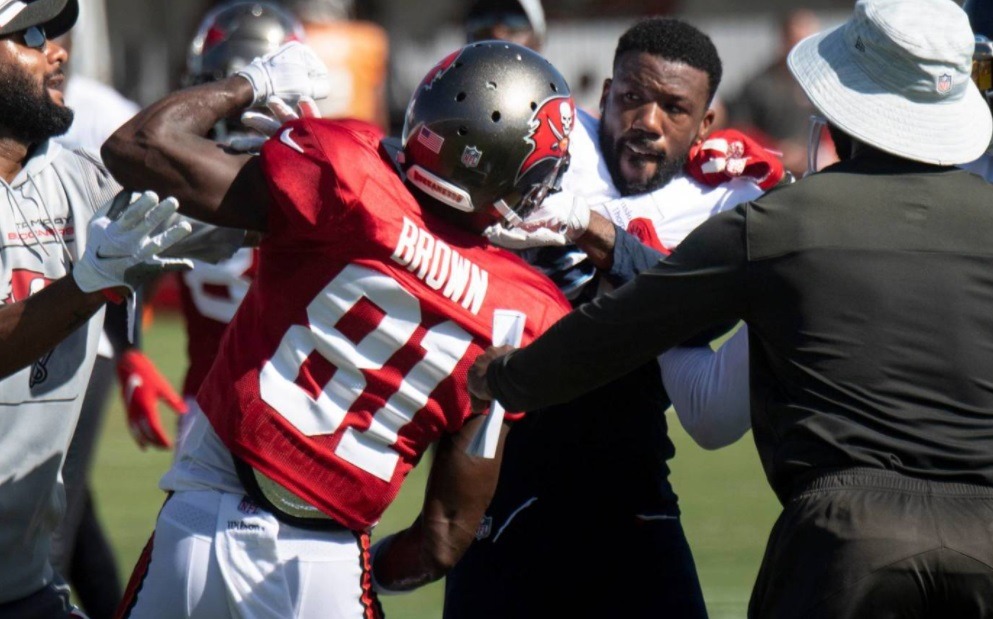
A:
{"x":727,"y":506}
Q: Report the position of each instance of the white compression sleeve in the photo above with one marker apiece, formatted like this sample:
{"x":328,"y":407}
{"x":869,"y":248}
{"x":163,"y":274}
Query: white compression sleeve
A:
{"x":709,"y":390}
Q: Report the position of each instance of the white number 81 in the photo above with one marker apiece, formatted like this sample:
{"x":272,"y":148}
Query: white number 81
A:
{"x":371,"y":450}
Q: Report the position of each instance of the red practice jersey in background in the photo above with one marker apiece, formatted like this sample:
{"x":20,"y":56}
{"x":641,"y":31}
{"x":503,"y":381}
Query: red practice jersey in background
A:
{"x":348,"y":356}
{"x":210,"y":295}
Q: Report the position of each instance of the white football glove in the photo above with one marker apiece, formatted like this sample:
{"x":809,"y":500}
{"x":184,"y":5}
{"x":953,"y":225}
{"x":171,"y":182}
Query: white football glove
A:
{"x":121,"y":251}
{"x":267,"y":124}
{"x":290,"y":72}
{"x":562,"y":212}
{"x":519,"y":238}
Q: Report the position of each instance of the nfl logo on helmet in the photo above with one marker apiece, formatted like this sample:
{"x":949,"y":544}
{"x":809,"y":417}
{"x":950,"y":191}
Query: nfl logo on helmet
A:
{"x":471,"y":156}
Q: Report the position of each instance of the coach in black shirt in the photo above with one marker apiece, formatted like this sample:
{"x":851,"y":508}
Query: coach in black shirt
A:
{"x":868,"y":291}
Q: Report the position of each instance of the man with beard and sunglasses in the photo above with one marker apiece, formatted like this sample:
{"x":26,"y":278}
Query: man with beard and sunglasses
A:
{"x":61,"y":259}
{"x":584,"y":491}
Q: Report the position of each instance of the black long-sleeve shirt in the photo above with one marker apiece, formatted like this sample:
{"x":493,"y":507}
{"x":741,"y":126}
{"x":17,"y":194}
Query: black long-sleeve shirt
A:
{"x":868,"y":291}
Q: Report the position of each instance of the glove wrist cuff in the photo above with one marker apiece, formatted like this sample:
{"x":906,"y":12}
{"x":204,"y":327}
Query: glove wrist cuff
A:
{"x":112,"y":295}
{"x":256,"y":78}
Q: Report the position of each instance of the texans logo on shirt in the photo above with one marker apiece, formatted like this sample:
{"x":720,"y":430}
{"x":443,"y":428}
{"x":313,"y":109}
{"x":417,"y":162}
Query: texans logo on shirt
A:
{"x":439,"y":70}
{"x":550,"y":127}
{"x":23,"y":284}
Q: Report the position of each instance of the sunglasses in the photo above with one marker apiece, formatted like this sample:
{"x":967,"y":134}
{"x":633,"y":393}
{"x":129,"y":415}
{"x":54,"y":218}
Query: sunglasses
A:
{"x":33,"y":37}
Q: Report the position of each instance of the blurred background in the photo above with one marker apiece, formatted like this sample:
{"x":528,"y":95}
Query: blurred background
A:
{"x":140,"y":49}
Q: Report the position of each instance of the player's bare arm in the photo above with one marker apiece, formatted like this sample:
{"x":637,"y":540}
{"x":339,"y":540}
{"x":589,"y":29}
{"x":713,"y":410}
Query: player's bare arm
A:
{"x":165,"y":148}
{"x":598,"y":242}
{"x":121,"y":254}
{"x":32,"y":327}
{"x":458,"y":492}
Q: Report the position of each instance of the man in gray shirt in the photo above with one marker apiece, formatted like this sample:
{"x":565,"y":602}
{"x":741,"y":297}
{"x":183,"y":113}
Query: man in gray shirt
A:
{"x":868,"y":293}
{"x":56,"y":274}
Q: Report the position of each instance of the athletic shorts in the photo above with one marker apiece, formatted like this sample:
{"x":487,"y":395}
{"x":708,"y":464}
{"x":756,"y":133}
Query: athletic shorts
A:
{"x":872,"y":543}
{"x":215,"y":555}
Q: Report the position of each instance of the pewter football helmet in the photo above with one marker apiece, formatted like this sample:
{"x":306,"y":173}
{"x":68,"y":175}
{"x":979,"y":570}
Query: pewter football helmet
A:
{"x":489,"y":126}
{"x":233,"y":34}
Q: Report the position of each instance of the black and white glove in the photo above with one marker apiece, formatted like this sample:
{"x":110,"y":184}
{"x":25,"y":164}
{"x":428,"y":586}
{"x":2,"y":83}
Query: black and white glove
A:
{"x":290,"y":72}
{"x":120,"y":248}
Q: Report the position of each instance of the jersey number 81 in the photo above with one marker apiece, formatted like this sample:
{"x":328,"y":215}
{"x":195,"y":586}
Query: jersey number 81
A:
{"x":371,"y":449}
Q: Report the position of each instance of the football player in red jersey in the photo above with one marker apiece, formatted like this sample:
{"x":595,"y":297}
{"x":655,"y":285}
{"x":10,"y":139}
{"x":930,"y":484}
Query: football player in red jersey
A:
{"x":348,"y":356}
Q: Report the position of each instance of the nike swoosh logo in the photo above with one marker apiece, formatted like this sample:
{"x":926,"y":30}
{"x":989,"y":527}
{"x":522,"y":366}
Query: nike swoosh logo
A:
{"x":134,"y":382}
{"x":285,"y":138}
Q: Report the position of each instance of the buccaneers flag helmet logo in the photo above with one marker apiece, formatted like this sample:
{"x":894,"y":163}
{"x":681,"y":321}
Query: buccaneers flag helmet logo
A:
{"x":550,"y":127}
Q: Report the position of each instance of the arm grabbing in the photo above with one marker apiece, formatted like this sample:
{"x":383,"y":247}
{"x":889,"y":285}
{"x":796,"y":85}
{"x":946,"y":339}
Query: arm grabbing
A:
{"x":459,"y":490}
{"x":709,"y":390}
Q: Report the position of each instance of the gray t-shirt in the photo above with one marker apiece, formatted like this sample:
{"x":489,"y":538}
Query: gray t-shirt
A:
{"x":43,"y":219}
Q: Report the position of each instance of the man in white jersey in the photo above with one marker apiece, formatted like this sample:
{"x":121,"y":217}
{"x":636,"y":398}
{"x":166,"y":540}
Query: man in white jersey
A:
{"x":56,"y":273}
{"x":598,"y":463}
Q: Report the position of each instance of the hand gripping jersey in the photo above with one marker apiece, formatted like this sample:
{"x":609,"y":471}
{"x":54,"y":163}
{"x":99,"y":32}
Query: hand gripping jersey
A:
{"x":348,"y":356}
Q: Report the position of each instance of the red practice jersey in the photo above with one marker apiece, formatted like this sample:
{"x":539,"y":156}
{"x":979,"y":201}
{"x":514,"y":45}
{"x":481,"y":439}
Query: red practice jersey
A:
{"x":348,"y":356}
{"x":210,"y":295}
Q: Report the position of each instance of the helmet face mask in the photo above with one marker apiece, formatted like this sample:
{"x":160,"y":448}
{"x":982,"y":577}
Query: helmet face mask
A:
{"x":489,"y":127}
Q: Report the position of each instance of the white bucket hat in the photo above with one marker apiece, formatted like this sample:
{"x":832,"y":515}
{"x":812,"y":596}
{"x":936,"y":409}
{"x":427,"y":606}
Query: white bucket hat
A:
{"x":897,"y":76}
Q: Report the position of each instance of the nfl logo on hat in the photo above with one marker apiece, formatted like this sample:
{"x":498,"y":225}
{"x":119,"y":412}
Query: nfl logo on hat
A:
{"x":944,"y":84}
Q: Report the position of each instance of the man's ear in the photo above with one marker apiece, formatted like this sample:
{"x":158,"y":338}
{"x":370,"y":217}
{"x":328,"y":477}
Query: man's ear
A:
{"x":603,"y":94}
{"x":705,"y":124}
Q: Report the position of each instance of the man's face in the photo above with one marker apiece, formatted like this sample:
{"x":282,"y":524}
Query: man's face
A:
{"x":32,"y":108}
{"x":653,"y":110}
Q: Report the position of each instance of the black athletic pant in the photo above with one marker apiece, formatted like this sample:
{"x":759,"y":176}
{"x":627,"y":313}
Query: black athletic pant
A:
{"x":553,"y":560}
{"x":875,"y":544}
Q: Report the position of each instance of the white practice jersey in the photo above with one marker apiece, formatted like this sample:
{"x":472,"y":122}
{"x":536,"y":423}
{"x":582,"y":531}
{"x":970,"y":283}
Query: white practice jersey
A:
{"x":708,"y":390}
{"x":43,"y":223}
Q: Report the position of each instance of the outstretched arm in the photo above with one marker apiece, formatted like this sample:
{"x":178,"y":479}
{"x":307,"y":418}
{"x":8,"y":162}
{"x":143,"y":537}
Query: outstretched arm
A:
{"x":459,"y":490}
{"x":619,"y":331}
